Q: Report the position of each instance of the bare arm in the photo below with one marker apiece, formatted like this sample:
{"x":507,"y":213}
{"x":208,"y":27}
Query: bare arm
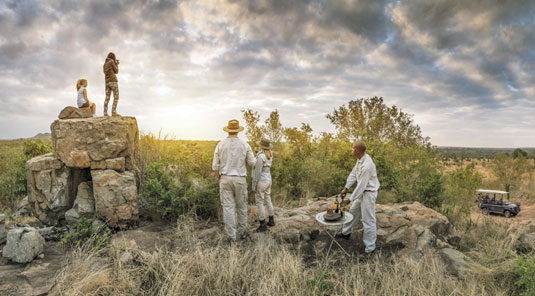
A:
{"x":85,"y":96}
{"x":257,"y":171}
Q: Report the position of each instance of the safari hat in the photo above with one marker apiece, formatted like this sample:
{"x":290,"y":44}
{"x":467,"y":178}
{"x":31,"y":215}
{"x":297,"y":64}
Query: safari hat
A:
{"x":265,"y":144}
{"x":233,"y":126}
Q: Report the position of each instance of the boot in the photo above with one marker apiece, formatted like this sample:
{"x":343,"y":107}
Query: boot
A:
{"x":262,"y":226}
{"x":271,"y":221}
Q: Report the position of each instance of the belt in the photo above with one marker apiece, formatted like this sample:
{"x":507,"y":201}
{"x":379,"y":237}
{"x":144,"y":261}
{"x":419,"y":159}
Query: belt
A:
{"x":370,"y":191}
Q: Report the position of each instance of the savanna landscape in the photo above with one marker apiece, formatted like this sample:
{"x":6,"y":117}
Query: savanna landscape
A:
{"x":183,"y":249}
{"x":133,"y":132}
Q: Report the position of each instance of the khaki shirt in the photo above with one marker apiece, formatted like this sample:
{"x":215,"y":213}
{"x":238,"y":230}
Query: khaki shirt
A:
{"x":365,"y":174}
{"x":231,"y":156}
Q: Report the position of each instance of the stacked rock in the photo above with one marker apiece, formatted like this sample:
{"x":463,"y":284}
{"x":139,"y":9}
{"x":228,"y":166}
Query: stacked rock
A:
{"x":90,"y":173}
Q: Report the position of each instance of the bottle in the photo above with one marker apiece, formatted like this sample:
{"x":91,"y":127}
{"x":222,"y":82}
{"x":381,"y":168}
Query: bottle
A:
{"x":336,"y":205}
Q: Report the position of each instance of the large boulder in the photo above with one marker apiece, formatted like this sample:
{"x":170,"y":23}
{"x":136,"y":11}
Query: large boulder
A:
{"x":116,"y":198}
{"x":73,"y":112}
{"x":50,"y":191}
{"x":23,"y":245}
{"x":410,"y":227}
{"x":79,"y":142}
{"x":84,"y":204}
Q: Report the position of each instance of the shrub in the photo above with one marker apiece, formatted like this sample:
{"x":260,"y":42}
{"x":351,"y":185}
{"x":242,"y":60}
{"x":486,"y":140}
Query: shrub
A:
{"x":525,"y":270}
{"x":174,"y":193}
{"x":82,"y":232}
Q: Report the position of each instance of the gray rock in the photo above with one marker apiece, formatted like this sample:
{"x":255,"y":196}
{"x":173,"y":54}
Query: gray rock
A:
{"x":23,"y":244}
{"x":78,"y":142}
{"x":73,"y":112}
{"x":116,"y":199}
{"x":458,"y":264}
{"x":23,"y":208}
{"x":50,"y":192}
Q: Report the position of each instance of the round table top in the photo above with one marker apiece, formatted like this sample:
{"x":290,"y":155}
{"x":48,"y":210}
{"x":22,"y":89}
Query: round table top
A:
{"x":345,"y":219}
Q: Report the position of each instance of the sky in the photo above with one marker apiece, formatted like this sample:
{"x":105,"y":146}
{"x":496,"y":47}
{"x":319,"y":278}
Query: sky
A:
{"x":464,"y":69}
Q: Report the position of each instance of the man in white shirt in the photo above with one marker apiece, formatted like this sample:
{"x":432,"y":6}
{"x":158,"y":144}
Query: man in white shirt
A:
{"x":363,"y":197}
{"x":230,"y":159}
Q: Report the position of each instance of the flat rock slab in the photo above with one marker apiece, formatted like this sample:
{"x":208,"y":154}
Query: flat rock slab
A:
{"x":79,"y":142}
{"x":35,"y":278}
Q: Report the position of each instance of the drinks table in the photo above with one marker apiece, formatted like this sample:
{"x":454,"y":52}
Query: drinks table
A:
{"x":337,"y":225}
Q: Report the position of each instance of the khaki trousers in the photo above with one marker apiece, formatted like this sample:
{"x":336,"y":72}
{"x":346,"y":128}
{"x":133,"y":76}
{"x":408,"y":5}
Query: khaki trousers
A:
{"x":263,"y":194}
{"x":233,"y":194}
{"x":364,"y":208}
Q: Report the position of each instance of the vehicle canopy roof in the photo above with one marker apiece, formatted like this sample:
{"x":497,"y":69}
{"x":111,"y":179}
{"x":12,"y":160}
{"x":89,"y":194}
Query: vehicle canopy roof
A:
{"x":491,"y":191}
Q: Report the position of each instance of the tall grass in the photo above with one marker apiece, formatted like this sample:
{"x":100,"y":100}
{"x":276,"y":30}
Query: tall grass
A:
{"x":199,"y":264}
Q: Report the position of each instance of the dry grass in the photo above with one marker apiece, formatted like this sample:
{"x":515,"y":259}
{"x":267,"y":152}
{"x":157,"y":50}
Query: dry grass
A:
{"x":263,"y":266}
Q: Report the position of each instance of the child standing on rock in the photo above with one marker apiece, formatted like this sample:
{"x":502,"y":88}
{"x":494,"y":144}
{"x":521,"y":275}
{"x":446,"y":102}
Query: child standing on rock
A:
{"x":262,"y":185}
{"x":83,"y":101}
{"x":111,"y":67}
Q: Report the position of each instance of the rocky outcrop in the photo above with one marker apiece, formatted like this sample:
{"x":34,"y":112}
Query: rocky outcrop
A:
{"x":49,"y":188}
{"x":79,"y":142}
{"x":61,"y":184}
{"x":70,"y":112}
{"x":116,"y":198}
{"x":410,"y":227}
{"x":23,"y":245}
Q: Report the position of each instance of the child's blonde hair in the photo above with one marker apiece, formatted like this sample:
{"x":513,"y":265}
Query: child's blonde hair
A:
{"x":267,"y":152}
{"x":80,"y":82}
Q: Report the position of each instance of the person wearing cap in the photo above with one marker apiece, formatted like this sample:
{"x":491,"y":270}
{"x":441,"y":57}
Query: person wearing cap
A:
{"x":363,"y":197}
{"x":262,"y":184}
{"x":230,"y":159}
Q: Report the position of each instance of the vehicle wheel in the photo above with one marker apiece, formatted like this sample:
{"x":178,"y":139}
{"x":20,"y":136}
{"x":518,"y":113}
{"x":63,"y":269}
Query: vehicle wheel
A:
{"x":507,"y":214}
{"x":485,"y":211}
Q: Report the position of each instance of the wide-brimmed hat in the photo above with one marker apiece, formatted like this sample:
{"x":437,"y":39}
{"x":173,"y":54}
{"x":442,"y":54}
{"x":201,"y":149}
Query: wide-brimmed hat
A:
{"x":233,"y":126}
{"x":265,"y":144}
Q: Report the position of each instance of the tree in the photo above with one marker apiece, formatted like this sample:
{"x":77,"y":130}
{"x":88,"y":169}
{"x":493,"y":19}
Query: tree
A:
{"x":272,"y":128}
{"x":253,"y":132}
{"x":371,"y":120}
{"x":519,"y":152}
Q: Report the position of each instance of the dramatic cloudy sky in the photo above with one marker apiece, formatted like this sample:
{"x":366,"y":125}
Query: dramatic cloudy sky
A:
{"x":465,"y":69}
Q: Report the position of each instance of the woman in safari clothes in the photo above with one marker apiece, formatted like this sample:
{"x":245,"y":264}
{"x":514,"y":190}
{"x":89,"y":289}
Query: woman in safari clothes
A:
{"x":262,"y":184}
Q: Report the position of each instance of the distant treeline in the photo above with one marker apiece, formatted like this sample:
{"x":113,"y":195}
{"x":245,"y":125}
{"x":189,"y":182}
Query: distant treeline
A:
{"x":480,"y":153}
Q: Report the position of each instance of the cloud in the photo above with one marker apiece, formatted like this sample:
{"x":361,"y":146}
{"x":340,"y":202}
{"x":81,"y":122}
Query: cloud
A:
{"x":198,"y":63}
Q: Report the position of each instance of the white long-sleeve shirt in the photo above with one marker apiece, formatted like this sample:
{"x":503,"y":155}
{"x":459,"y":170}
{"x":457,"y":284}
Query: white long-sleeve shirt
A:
{"x":365,"y":174}
{"x":231,"y":156}
{"x":262,"y":169}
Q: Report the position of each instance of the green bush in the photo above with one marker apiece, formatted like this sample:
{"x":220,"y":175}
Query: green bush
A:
{"x":173,"y":193}
{"x":83,"y":232}
{"x":525,"y":270}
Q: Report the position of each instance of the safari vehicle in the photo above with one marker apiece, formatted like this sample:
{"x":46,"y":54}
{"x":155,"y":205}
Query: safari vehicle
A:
{"x":491,"y":201}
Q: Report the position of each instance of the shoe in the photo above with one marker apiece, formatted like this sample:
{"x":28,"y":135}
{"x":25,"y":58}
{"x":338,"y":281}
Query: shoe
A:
{"x":244,"y":235}
{"x":366,"y":256}
{"x":344,"y":236}
{"x":106,"y":114}
{"x":115,"y":114}
{"x":271,"y":221}
{"x":262,"y":227}
{"x":94,"y":115}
